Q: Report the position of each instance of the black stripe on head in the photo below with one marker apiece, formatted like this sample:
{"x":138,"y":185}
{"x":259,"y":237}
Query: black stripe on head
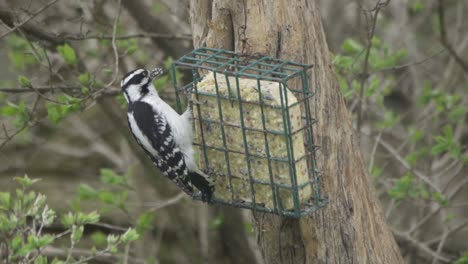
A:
{"x":134,"y":77}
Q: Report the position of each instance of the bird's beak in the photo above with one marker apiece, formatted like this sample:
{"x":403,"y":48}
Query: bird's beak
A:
{"x":155,"y":73}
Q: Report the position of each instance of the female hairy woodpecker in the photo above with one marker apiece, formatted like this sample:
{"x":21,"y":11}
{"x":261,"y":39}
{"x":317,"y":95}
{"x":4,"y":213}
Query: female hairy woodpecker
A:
{"x":163,"y":134}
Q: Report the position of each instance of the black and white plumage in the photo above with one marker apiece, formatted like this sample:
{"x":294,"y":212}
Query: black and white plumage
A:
{"x":163,"y":134}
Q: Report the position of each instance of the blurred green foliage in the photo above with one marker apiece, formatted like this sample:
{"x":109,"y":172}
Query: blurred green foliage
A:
{"x":24,"y":215}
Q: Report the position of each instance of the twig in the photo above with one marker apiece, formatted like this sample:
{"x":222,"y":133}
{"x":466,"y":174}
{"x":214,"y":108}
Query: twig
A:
{"x":418,"y":62}
{"x":374,"y":150}
{"x":110,"y":227}
{"x":132,"y":36}
{"x":440,"y":246}
{"x":114,"y":45}
{"x":98,"y":94}
{"x":420,"y":246}
{"x":450,"y":232}
{"x":99,"y":256}
{"x":10,"y":137}
{"x":365,"y":71}
{"x":39,"y":89}
{"x":405,"y":164}
{"x":444,"y":40}
{"x":34,"y":14}
{"x":170,"y":201}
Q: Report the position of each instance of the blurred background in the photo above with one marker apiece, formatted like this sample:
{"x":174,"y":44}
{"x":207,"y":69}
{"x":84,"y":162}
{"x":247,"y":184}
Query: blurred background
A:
{"x":403,"y":68}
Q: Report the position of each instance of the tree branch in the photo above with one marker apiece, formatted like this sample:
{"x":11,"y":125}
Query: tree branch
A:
{"x":444,"y":39}
{"x":154,"y":24}
{"x":114,"y":46}
{"x":365,"y":71}
{"x":34,"y":14}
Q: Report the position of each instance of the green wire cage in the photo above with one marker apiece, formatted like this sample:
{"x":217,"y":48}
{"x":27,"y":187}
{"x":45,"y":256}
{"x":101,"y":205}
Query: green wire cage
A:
{"x":253,"y":129}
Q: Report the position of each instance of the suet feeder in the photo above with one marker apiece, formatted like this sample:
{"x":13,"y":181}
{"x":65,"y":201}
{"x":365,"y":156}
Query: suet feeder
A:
{"x":253,"y":129}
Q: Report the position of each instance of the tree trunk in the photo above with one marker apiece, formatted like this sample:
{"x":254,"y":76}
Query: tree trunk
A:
{"x":351,"y":228}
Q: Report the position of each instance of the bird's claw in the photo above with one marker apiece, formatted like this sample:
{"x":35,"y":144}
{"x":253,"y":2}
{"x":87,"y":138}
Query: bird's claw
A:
{"x":207,"y":197}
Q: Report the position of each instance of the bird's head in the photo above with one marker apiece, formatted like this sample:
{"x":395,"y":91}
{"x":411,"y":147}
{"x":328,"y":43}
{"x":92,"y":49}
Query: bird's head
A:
{"x":138,"y":83}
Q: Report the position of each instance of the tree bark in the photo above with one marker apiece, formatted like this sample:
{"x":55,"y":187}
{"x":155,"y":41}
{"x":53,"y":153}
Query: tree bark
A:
{"x":351,"y":228}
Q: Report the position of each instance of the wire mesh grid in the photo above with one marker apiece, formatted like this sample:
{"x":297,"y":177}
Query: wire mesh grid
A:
{"x":253,"y":129}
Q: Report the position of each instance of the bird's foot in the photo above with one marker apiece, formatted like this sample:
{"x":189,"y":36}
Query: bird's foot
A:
{"x":207,"y":196}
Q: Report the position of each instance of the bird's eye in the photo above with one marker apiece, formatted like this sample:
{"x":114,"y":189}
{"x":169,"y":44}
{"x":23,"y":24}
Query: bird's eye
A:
{"x":145,"y":73}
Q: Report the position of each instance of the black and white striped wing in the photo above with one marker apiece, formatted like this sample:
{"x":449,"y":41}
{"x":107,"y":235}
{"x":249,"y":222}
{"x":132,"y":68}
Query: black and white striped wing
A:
{"x":155,"y":136}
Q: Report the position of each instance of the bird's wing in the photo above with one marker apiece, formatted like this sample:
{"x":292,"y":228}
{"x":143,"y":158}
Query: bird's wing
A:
{"x":169,"y":159}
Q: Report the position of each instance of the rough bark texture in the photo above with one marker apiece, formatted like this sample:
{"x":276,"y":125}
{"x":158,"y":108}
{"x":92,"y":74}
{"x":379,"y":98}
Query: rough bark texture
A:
{"x":351,"y":229}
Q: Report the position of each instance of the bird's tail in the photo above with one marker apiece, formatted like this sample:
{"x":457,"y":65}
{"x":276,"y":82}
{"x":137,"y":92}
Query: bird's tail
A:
{"x":204,"y":183}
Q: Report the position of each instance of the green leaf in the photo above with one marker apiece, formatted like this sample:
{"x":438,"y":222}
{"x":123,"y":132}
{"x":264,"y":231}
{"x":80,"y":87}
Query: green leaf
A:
{"x":457,"y":113}
{"x":17,"y":242}
{"x":351,"y":46}
{"x":372,"y":87}
{"x":440,"y":198}
{"x":344,"y":62}
{"x":106,"y":197}
{"x":90,"y":218}
{"x":112,"y":243}
{"x":376,"y":41}
{"x":401,"y":187}
{"x":376,"y":171}
{"x":129,"y":235}
{"x":390,"y":119}
{"x":85,"y":78}
{"x":77,"y":233}
{"x":86,"y":192}
{"x":24,"y":81}
{"x":9,"y":110}
{"x":108,"y":176}
{"x":415,"y":155}
{"x":41,"y":260}
{"x":45,"y":240}
{"x":68,"y":54}
{"x":68,"y":104}
{"x":5,"y":200}
{"x":423,"y":193}
{"x":68,"y":220}
{"x":145,"y":222}
{"x":121,"y":100}
{"x":416,"y":135}
{"x":20,"y":54}
{"x":463,"y":259}
{"x":54,"y":114}
{"x":446,"y":143}
{"x":25,"y":181}
{"x":99,"y":239}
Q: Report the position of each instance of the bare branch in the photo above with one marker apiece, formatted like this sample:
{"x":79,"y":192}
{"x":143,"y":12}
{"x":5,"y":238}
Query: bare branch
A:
{"x":418,"y":62}
{"x":444,"y":39}
{"x":157,"y":24}
{"x":34,"y":14}
{"x":421,"y":246}
{"x":39,"y":89}
{"x":103,"y":257}
{"x":11,"y":136}
{"x":132,"y":36}
{"x":365,"y":71}
{"x":114,"y":45}
{"x":407,"y":166}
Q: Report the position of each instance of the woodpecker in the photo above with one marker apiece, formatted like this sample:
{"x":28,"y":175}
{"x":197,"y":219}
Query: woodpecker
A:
{"x":164,"y":135}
